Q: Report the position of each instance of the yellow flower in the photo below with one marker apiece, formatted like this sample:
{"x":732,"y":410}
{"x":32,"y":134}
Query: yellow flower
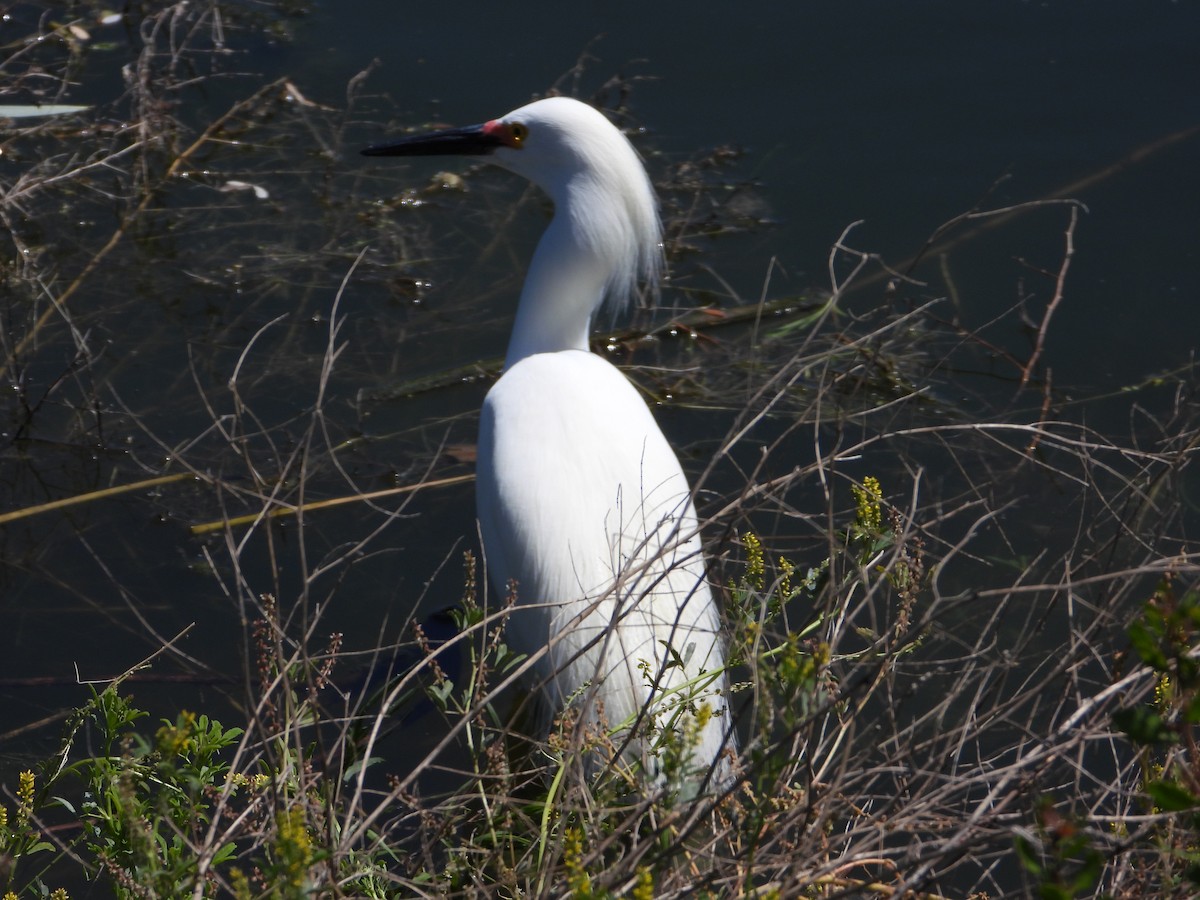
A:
{"x":643,"y":888}
{"x":178,"y":739}
{"x":24,"y":798}
{"x":785,"y":580}
{"x":755,"y":566}
{"x":294,"y":845}
{"x":868,"y":499}
{"x":577,"y":876}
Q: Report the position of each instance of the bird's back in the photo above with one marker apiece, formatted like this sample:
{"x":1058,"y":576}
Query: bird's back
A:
{"x":583,"y":505}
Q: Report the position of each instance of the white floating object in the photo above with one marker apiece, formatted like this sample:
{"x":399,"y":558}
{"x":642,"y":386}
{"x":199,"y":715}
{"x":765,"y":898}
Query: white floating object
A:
{"x":46,"y":109}
{"x":259,"y":191}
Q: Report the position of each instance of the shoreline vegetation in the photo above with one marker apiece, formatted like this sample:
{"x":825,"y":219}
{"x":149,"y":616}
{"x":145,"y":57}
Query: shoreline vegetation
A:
{"x":962,"y":605}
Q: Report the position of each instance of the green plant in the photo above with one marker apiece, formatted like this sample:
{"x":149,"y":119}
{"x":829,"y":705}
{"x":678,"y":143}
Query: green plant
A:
{"x":148,"y":802}
{"x":1064,"y":861}
{"x":1165,"y":637}
{"x":20,"y":839}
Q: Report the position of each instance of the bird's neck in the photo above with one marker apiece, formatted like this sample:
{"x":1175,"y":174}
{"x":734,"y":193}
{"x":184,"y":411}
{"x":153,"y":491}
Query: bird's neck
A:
{"x":563,"y":289}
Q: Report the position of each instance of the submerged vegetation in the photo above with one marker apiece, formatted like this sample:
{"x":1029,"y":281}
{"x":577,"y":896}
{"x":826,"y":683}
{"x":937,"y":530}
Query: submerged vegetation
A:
{"x":240,"y":388}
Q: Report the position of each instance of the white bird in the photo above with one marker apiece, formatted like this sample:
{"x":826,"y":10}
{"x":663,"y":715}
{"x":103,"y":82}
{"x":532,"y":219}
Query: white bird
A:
{"x":582,"y":504}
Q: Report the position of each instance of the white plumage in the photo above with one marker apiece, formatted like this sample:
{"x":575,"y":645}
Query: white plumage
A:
{"x":582,"y":503}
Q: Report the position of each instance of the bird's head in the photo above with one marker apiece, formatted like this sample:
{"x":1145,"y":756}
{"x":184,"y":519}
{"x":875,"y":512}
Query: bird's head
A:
{"x":586,"y":165}
{"x":550,"y":142}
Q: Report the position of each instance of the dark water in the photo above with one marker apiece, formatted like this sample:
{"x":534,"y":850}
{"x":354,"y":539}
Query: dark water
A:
{"x":899,"y":115}
{"x":902,"y":115}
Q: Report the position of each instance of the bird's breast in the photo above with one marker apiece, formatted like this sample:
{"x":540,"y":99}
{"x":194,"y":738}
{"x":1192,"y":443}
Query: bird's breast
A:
{"x":575,"y":479}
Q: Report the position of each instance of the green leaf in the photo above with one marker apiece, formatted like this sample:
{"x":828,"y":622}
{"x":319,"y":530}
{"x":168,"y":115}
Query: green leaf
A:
{"x":441,"y":692}
{"x":1143,"y":726}
{"x":1191,"y":712}
{"x":1171,"y":797}
{"x":1192,"y":872}
{"x":1146,"y":645}
{"x":353,"y":769}
{"x":1089,"y":873}
{"x":1028,"y":856}
{"x":226,"y":852}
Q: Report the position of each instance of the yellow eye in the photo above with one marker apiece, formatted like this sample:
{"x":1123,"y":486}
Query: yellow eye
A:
{"x":518,"y":132}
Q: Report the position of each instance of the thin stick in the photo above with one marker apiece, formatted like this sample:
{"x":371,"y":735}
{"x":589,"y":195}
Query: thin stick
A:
{"x":91,"y":496}
{"x":1054,"y":301}
{"x":207,"y":527}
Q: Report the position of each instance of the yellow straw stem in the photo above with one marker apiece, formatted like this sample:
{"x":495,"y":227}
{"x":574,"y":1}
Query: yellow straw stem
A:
{"x":89,"y":497}
{"x":207,"y":527}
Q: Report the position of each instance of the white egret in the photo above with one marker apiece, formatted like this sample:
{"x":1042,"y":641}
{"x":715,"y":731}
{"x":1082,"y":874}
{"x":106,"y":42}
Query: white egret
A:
{"x":582,"y":504}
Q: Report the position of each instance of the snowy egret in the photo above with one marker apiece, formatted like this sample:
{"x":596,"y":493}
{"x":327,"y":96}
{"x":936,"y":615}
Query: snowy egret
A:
{"x":583,"y":507}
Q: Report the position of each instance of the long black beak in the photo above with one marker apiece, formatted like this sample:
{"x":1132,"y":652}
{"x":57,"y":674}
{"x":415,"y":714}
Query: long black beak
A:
{"x":474,"y":140}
